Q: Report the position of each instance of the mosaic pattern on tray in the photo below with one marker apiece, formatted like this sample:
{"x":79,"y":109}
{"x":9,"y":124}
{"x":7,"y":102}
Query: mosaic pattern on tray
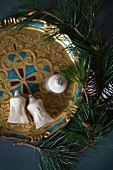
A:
{"x":28,"y":49}
{"x":23,"y":78}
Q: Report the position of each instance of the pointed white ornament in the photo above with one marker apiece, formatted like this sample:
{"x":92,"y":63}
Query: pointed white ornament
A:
{"x":37,"y":110}
{"x":17,"y":109}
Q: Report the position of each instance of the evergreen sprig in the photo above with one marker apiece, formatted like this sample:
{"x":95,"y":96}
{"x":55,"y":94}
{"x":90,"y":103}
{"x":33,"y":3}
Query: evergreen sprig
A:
{"x":89,"y":125}
{"x":59,"y":158}
{"x":77,"y":73}
{"x":107,"y":52}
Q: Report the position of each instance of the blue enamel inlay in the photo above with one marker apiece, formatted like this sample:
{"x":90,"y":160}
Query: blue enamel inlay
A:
{"x":11,"y":57}
{"x":37,"y":24}
{"x":34,"y":87}
{"x":30,"y":69}
{"x":18,"y":87}
{"x":66,"y":41}
{"x":22,"y":54}
{"x":18,"y":136}
{"x":1,"y":94}
{"x":78,"y":92}
{"x":70,"y":46}
{"x":54,"y":127}
{"x":46,"y":69}
{"x":12,"y":75}
{"x":74,"y":52}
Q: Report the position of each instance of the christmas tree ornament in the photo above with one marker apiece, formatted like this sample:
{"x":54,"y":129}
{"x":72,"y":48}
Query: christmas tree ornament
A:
{"x":56,"y":84}
{"x":107,"y":95}
{"x":17,"y":109}
{"x":37,"y":110}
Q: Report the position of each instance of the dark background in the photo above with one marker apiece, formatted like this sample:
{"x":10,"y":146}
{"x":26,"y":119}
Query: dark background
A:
{"x":24,"y":158}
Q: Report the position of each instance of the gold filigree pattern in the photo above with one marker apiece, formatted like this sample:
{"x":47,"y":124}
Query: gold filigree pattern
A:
{"x":26,"y":61}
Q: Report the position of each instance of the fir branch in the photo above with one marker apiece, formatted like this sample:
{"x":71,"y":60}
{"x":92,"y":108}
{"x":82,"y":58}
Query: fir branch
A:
{"x":89,"y":125}
{"x":38,"y":10}
{"x":31,"y":3}
{"x":46,"y":13}
{"x":103,"y":57}
{"x":56,"y":159}
{"x":60,"y":17}
{"x":67,"y":10}
{"x":107,"y":52}
{"x":78,"y":72}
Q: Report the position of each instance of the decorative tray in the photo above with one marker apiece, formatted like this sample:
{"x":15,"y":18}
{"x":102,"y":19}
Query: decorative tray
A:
{"x":26,"y":61}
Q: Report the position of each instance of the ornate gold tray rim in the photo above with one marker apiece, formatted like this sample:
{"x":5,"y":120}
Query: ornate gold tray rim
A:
{"x":64,"y":117}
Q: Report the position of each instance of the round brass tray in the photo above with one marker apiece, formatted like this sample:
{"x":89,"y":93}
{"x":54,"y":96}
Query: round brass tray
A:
{"x":25,"y":63}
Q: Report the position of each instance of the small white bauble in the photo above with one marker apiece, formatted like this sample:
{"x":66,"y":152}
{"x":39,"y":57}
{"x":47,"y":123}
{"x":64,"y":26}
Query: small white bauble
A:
{"x":56,"y":84}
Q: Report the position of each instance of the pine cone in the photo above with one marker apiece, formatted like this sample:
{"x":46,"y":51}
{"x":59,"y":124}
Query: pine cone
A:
{"x":107,"y":95}
{"x":91,"y":86}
